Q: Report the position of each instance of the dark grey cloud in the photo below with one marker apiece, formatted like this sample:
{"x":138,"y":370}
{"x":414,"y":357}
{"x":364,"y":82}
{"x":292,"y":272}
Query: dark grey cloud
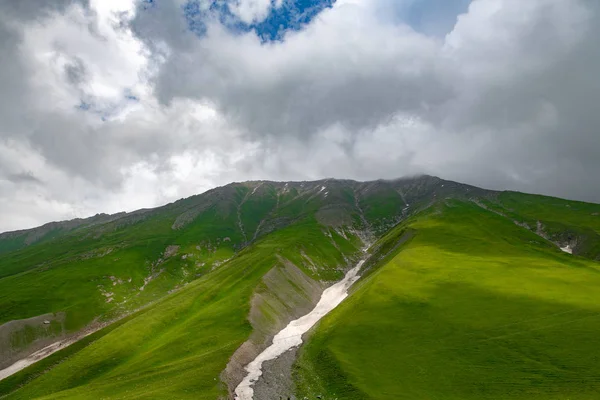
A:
{"x":161,"y":24}
{"x":12,"y":78}
{"x":27,"y":10}
{"x":509,"y":92}
{"x":537,"y":106}
{"x":63,"y":135}
{"x":268,"y":93}
{"x":75,"y":72}
{"x":23,"y":177}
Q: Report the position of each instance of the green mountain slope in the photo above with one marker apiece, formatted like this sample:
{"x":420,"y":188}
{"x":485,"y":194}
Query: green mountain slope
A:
{"x":10,"y":241}
{"x":179,"y":347}
{"x":471,"y":307}
{"x":99,"y":269}
{"x":565,"y":222}
{"x":208,"y":280}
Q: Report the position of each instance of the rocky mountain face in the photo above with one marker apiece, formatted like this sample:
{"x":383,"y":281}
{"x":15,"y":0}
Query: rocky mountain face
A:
{"x":378,"y":204}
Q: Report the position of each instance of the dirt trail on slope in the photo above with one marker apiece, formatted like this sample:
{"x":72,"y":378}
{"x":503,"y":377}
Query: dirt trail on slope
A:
{"x":93,"y":327}
{"x":52,"y":348}
{"x":37,"y":356}
{"x":22,"y":337}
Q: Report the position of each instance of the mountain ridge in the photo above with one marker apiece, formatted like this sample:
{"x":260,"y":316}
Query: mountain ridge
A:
{"x":255,"y":254}
{"x":29,"y":236}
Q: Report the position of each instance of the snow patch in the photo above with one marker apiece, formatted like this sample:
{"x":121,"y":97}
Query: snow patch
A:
{"x":256,"y":188}
{"x":291,"y":335}
{"x":567,"y":249}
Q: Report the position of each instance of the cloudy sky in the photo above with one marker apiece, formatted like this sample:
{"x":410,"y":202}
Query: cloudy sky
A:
{"x":122,"y":104}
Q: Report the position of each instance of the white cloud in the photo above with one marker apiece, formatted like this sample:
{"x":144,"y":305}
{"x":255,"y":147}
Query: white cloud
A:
{"x":251,"y":11}
{"x":110,"y":60}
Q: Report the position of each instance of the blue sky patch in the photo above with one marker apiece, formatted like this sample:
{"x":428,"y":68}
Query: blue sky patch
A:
{"x":130,"y":95}
{"x":431,"y":17}
{"x":84,"y":106}
{"x":292,"y":15}
{"x":106,"y":111}
{"x":146,"y":4}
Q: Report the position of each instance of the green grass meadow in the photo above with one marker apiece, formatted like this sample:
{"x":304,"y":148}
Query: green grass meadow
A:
{"x":178,"y":348}
{"x":472,"y":307}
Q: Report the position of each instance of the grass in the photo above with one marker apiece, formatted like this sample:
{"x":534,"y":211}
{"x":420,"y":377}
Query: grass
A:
{"x":77,"y":272}
{"x":178,"y":347}
{"x":560,"y":219}
{"x":11,"y":383}
{"x":472,"y":307}
{"x":70,"y":273}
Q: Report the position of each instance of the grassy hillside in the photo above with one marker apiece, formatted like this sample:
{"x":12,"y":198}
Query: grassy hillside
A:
{"x":179,"y":347}
{"x":115,"y":267}
{"x":99,"y":269}
{"x":562,"y":221}
{"x":471,"y":307}
{"x":467,"y":295}
{"x":10,"y":241}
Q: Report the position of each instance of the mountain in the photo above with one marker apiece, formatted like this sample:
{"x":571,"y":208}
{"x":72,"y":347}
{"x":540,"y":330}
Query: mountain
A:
{"x":466,"y":294}
{"x":15,"y":240}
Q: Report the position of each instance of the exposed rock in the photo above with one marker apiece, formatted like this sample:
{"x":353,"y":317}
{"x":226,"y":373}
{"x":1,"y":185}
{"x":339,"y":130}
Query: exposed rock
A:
{"x":187,"y":217}
{"x":335,"y":215}
{"x":276,"y":381}
{"x":150,"y":278}
{"x":171,"y":251}
{"x":218,"y":263}
{"x":97,"y":253}
{"x":115,"y":281}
